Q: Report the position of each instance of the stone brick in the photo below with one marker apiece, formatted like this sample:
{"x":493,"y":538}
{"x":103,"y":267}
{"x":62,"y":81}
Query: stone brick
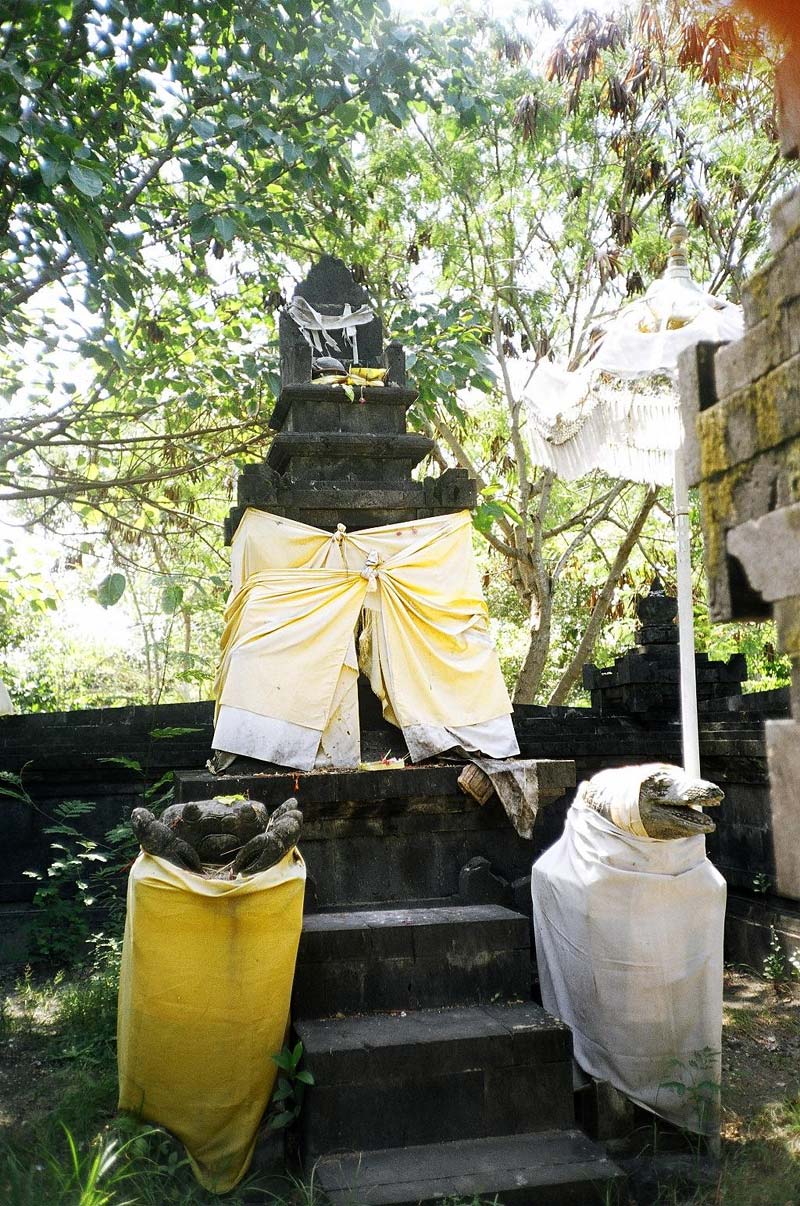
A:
{"x":750,"y":923}
{"x":434,"y":1075}
{"x":697,"y":391}
{"x":773,"y":285}
{"x":417,"y":958}
{"x":783,"y":754}
{"x":787,"y":94}
{"x":785,"y":220}
{"x":768,"y":548}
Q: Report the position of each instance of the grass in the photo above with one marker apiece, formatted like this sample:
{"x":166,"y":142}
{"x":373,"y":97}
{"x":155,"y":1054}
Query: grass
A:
{"x":61,"y":1143}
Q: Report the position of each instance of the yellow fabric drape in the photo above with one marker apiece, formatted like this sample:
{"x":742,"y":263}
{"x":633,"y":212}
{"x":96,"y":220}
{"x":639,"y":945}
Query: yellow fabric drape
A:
{"x":297,"y":595}
{"x":285,"y":641}
{"x":205,"y":985}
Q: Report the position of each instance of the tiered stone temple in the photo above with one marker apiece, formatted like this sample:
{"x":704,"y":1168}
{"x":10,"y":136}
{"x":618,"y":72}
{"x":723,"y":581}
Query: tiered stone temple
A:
{"x":646,"y":679}
{"x":338,"y":459}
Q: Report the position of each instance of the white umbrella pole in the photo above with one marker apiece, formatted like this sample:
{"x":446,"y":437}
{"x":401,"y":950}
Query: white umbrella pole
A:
{"x":689,"y":730}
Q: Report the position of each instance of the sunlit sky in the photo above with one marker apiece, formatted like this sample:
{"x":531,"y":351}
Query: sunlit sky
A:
{"x":421,"y":9}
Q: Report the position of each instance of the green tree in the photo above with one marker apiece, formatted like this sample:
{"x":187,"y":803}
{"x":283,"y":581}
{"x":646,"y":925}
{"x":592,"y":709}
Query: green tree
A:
{"x":536,"y":200}
{"x":140,"y":146}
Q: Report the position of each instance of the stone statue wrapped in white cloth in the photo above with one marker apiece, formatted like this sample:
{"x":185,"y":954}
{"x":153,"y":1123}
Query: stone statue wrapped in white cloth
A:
{"x":629,"y":916}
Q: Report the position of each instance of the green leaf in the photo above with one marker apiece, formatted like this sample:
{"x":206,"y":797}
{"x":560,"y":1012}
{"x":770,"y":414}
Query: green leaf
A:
{"x":269,"y":136}
{"x":512,"y":513}
{"x":174,"y":731}
{"x":280,"y":1120}
{"x":485,"y":515}
{"x":128,"y":763}
{"x":225,"y":227}
{"x":52,"y":171}
{"x":81,"y":235}
{"x":171,"y":598}
{"x":10,"y":133}
{"x":193,"y":172}
{"x":11,"y":785}
{"x":124,"y":291}
{"x":203,"y":127}
{"x":111,"y":590}
{"x":85,"y":179}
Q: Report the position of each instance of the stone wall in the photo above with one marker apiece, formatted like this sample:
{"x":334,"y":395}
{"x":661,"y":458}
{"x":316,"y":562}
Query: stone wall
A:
{"x":741,"y":416}
{"x":65,"y":756}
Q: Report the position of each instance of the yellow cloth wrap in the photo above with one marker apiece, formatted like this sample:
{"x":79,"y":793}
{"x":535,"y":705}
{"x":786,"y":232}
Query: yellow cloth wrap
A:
{"x":298,"y":591}
{"x":205,"y":985}
{"x":285,"y":641}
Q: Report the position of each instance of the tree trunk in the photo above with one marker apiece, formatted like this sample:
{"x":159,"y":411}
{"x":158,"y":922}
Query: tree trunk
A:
{"x":600,"y":610}
{"x":533,"y":667}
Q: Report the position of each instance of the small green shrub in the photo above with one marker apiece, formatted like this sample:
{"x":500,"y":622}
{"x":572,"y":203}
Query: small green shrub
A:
{"x":287,"y":1100}
{"x":779,"y":966}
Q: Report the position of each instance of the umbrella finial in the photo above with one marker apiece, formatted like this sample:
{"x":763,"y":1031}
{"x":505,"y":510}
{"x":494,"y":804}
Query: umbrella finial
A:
{"x":678,"y":236}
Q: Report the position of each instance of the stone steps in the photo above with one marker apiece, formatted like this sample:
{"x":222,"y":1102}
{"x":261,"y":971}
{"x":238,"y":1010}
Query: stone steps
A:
{"x":453,"y":1089}
{"x":393,"y":1080}
{"x":551,"y":1168}
{"x":411,"y":958}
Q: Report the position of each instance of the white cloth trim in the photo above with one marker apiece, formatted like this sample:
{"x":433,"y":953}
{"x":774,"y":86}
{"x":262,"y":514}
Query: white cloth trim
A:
{"x":252,"y":736}
{"x":573,"y":428}
{"x":495,"y":738}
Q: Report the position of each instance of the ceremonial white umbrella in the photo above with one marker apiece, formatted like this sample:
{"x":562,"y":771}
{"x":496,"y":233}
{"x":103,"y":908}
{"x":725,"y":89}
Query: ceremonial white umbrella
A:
{"x":576,"y":425}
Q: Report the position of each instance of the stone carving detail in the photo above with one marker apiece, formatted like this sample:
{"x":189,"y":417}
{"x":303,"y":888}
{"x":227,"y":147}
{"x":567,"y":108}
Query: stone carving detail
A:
{"x":219,"y":839}
{"x":668,"y":800}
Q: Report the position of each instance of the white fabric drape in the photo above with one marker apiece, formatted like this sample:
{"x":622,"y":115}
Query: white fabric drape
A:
{"x":576,"y":423}
{"x":315,"y":326}
{"x":629,"y":935}
{"x":573,"y":427}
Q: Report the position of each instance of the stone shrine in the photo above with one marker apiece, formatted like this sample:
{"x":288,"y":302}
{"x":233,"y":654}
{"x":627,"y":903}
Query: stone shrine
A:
{"x":646,"y":679}
{"x":435,"y":1073}
{"x":337,"y":459}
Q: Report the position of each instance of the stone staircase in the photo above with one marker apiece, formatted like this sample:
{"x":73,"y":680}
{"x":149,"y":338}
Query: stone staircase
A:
{"x":435,"y":1074}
